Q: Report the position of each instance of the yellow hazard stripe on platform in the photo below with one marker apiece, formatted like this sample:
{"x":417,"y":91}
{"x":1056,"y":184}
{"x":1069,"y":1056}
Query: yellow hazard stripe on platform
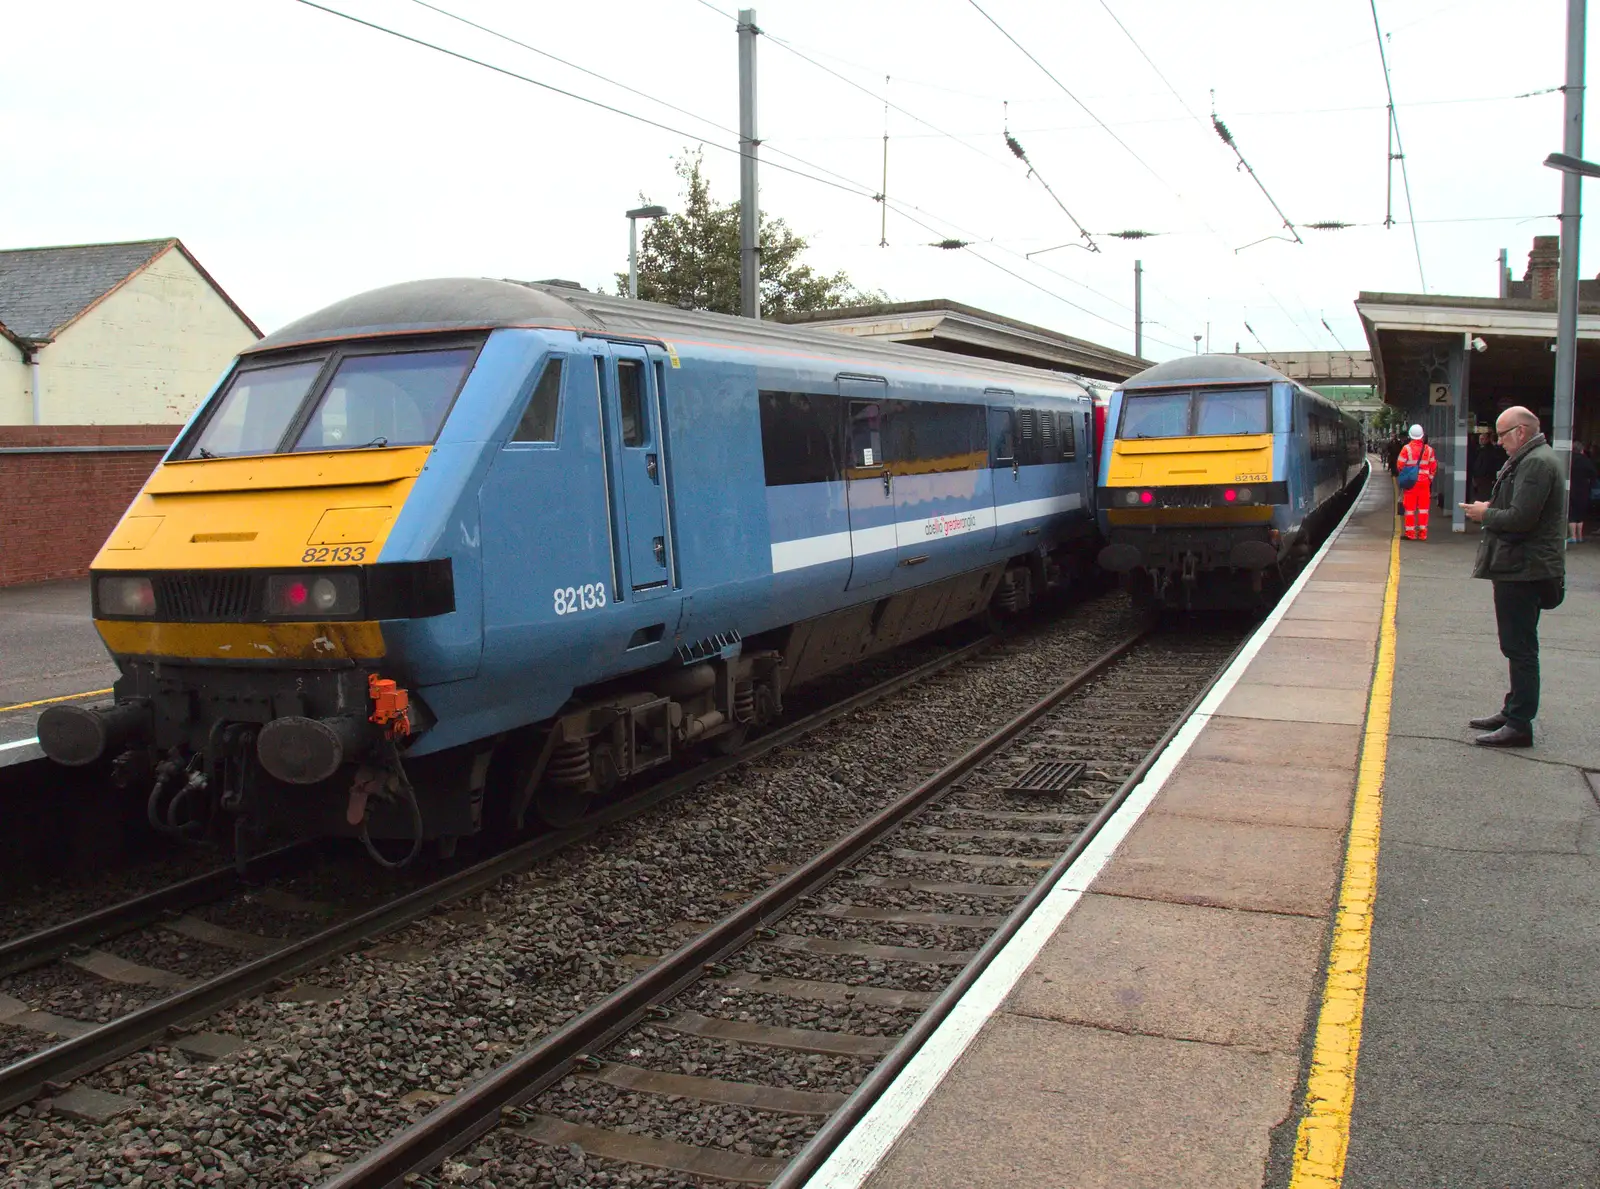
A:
{"x":1324,"y":1137}
{"x":92,"y":693}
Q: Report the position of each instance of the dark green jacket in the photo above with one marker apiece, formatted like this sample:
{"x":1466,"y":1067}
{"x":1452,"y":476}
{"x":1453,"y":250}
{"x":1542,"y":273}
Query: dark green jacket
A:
{"x":1525,"y":527}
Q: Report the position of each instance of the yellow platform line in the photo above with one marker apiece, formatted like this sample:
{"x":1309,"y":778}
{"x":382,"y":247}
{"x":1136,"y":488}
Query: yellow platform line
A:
{"x":93,"y":693}
{"x":1323,"y":1140}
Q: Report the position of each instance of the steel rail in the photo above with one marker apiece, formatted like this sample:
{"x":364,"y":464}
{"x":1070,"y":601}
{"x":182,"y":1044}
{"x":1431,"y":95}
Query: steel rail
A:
{"x":61,"y":1063}
{"x":820,"y":1146}
{"x":45,"y":945}
{"x":476,"y":1109}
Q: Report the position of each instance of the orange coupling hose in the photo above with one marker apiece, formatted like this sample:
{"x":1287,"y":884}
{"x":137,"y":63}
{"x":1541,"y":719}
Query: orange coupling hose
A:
{"x":391,"y":706}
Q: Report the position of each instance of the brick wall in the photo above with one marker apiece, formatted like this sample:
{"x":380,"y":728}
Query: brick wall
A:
{"x":60,"y":501}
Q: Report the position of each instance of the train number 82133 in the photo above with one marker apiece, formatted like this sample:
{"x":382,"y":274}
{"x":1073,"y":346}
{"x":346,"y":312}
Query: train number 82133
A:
{"x":569,"y":600}
{"x":329,"y":553}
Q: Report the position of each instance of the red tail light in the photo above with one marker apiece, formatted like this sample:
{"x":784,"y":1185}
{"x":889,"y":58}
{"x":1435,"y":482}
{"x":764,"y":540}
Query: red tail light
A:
{"x":1230,"y":495}
{"x":1147,"y":497}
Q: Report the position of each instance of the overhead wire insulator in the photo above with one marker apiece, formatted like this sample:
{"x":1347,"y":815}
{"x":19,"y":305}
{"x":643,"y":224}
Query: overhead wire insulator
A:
{"x":1133,"y":234}
{"x":950,"y":245}
{"x":1016,"y":148}
{"x":1222,"y":130}
{"x":1329,"y":225}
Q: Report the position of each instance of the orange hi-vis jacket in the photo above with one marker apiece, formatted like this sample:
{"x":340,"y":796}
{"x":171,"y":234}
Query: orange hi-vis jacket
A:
{"x":1418,"y":497}
{"x":1421,"y":456}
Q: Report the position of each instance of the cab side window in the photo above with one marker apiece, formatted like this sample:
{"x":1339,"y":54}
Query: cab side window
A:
{"x":538,"y":422}
{"x":630,"y":401}
{"x":1069,"y":445}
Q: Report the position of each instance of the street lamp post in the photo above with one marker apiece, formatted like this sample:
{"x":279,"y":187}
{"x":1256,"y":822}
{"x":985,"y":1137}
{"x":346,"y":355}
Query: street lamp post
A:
{"x":643,"y":212}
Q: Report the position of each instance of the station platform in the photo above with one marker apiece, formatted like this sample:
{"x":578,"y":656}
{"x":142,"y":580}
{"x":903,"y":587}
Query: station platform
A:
{"x":1320,"y":866}
{"x":48,"y":650}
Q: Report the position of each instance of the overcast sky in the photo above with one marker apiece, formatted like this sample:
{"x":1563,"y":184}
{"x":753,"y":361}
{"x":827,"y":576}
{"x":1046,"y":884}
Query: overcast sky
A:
{"x":302,"y":157}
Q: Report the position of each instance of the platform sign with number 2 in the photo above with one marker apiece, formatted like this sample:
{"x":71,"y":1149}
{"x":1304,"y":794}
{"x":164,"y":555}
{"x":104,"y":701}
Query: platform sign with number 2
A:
{"x":1438,"y":394}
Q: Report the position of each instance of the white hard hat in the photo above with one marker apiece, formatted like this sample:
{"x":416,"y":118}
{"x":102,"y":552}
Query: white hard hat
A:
{"x":1416,"y":433}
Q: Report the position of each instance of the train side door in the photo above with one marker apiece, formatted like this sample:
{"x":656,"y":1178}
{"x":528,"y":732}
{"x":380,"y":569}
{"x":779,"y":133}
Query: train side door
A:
{"x":869,"y":486}
{"x":633,"y":408}
{"x":1004,"y":472}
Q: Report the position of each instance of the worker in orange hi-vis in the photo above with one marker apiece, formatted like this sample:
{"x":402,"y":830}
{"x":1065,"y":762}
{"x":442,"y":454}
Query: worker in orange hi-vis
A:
{"x":1414,"y":471}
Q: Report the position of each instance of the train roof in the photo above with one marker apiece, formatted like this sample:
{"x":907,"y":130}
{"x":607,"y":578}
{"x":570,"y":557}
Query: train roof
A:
{"x":1203,"y":369}
{"x":480,"y":303}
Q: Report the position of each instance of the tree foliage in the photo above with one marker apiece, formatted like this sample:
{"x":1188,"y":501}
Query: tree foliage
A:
{"x":692,"y":259}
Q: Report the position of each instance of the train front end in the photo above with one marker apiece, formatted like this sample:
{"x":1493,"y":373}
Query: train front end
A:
{"x":1193,"y":482}
{"x":269,"y":608}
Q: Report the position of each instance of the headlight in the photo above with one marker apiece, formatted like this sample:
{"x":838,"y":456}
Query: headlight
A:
{"x":1131,"y":498}
{"x":1244,"y":495}
{"x":310,"y":596}
{"x":127,"y":596}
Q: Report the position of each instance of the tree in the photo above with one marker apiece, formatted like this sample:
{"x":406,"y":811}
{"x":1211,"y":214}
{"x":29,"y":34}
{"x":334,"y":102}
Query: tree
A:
{"x":692,"y":259}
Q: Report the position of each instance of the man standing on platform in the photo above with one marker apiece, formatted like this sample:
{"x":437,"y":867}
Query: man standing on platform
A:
{"x":1418,"y":464}
{"x":1522,"y":551}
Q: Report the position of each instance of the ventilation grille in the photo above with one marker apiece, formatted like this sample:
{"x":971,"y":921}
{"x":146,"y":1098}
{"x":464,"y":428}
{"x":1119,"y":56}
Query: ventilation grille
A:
{"x":198,"y":597}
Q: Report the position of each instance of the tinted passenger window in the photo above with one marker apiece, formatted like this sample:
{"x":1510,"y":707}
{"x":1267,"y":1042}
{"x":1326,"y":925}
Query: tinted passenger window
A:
{"x":386,"y":400}
{"x":630,"y":398}
{"x":538,"y":422}
{"x":801,"y":439}
{"x":866,"y":435}
{"x":254,"y":413}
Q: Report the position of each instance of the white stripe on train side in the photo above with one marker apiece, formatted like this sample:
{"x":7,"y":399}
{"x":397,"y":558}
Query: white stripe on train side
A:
{"x":830,"y":547}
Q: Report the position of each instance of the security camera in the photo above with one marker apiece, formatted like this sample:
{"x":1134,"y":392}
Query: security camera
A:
{"x":1479,"y":345}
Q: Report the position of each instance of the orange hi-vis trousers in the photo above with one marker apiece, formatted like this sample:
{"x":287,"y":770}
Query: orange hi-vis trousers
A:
{"x":1416,"y":502}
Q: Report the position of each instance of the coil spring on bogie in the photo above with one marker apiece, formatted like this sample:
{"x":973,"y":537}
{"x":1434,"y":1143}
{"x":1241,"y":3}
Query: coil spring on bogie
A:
{"x":1013,"y":594}
{"x":744,"y":701}
{"x":569,"y":763}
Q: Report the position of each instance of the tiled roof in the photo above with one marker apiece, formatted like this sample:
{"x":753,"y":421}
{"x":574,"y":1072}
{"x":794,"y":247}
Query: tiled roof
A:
{"x":43,"y":289}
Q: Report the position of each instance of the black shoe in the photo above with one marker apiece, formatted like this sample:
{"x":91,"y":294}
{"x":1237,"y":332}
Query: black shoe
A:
{"x":1506,"y":736}
{"x":1488,"y":724}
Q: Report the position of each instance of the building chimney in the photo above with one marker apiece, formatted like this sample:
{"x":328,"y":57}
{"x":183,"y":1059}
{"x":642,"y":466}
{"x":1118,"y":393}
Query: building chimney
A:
{"x":1544,"y":264}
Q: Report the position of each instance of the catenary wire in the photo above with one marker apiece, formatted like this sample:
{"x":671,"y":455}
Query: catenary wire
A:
{"x":1295,"y":322}
{"x":848,"y":187}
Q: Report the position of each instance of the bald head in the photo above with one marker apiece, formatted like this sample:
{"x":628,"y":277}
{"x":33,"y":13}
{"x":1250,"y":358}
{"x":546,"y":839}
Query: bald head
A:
{"x":1517,"y":416}
{"x":1518,"y":422}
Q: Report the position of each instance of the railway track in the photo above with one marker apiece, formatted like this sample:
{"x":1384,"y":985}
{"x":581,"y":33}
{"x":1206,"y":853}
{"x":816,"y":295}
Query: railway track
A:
{"x":781,"y":1022}
{"x":271,"y":964}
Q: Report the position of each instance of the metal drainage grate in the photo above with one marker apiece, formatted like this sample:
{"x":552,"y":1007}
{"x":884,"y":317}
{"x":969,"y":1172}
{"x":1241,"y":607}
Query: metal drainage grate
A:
{"x":1048,"y":776}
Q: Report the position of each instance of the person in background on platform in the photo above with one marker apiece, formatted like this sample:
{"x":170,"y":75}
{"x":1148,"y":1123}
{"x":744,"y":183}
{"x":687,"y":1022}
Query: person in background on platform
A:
{"x":1391,"y":453}
{"x":1491,"y":457}
{"x":1416,"y":498}
{"x":1583,"y":480}
{"x":1522,"y":552}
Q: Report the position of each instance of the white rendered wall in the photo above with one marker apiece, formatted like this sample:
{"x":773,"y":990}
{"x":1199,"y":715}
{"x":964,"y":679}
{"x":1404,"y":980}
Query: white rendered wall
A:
{"x":16,"y":391}
{"x":146,"y":355}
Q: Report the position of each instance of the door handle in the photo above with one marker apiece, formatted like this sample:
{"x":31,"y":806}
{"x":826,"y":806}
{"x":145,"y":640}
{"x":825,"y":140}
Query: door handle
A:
{"x":885,"y":482}
{"x":659,"y":545}
{"x":651,"y":468}
{"x":1016,"y":471}
{"x":914,"y":561}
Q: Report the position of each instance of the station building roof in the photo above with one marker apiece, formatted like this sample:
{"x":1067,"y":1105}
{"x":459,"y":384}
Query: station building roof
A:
{"x":1415,"y":336}
{"x":946,"y":325}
